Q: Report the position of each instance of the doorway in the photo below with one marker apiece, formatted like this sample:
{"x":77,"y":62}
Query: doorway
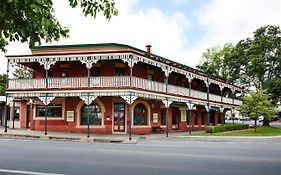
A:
{"x":175,"y":118}
{"x":119,"y":117}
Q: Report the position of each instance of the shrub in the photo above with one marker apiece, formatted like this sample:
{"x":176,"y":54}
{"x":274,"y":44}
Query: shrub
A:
{"x":228,"y":127}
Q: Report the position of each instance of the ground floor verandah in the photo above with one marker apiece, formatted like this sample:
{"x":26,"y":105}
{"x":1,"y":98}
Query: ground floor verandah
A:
{"x":114,"y":115}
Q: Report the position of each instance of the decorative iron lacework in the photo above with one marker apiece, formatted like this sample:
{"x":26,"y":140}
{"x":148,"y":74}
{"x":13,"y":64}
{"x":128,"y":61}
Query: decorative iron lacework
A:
{"x":131,"y":59}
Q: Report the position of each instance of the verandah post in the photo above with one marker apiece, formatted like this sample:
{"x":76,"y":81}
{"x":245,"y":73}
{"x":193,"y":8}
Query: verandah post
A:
{"x":46,"y":102}
{"x":6,"y":103}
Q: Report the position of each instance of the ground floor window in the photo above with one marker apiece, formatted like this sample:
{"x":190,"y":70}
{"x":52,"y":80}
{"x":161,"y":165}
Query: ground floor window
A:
{"x":163,"y":116}
{"x":203,"y":117}
{"x":140,"y":115}
{"x":195,"y":117}
{"x":53,"y":110}
{"x":95,"y":114}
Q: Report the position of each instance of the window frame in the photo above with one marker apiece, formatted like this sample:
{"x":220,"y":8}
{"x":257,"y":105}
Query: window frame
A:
{"x":55,"y":101}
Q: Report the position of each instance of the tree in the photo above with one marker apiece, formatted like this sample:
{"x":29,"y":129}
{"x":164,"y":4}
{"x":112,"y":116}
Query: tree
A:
{"x":220,"y":62}
{"x":22,"y":72}
{"x":34,"y":21}
{"x":3,"y":81}
{"x":253,"y":62}
{"x":257,"y":104}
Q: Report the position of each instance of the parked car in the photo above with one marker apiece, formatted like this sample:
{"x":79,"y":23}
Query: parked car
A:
{"x":244,"y":118}
{"x":260,"y":119}
{"x":233,"y":118}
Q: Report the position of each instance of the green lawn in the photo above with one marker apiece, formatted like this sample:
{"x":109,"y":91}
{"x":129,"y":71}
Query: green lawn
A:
{"x":261,"y":131}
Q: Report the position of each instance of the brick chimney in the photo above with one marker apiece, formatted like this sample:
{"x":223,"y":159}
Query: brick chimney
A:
{"x":148,"y":48}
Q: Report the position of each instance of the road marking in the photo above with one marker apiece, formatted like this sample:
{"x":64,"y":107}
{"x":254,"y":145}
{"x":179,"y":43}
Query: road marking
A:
{"x":158,"y":145}
{"x":27,"y":172}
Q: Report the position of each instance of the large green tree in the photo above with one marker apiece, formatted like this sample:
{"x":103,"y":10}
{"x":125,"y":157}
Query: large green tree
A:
{"x":220,"y":62}
{"x":33,"y":21}
{"x":252,"y":62}
{"x":256,"y":104}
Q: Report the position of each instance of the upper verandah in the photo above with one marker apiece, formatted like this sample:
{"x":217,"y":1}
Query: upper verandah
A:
{"x":113,"y":48}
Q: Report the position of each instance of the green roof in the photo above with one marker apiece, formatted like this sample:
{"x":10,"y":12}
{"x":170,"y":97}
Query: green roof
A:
{"x":133,"y":48}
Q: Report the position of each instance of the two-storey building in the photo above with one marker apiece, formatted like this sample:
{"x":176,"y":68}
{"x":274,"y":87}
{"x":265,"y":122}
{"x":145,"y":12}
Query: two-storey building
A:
{"x":115,"y":88}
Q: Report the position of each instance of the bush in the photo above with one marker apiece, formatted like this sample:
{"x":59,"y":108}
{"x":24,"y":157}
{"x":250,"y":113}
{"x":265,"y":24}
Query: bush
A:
{"x":228,"y":127}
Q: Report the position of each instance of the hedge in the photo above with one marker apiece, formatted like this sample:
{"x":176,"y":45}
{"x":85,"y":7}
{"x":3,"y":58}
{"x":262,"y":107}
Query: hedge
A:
{"x":228,"y":127}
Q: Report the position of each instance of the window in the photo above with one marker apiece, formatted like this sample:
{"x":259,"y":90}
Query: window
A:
{"x":163,"y":116}
{"x":140,"y":115}
{"x":195,"y":117}
{"x":95,"y":72}
{"x":150,"y":77}
{"x":203,"y":116}
{"x":94,"y":112}
{"x":119,"y":72}
{"x":54,"y":110}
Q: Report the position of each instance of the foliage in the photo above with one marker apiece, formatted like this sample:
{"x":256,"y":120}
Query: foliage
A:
{"x":23,"y":72}
{"x":251,"y":62}
{"x":261,"y":131}
{"x":34,"y":21}
{"x":218,"y":62}
{"x":257,"y":104}
{"x":3,"y":81}
{"x":230,"y":127}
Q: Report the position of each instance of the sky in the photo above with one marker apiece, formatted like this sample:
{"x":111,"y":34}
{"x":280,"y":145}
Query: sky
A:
{"x":179,"y":30}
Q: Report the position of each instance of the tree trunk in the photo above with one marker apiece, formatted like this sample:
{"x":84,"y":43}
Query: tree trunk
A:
{"x":265,"y":122}
{"x":256,"y":125}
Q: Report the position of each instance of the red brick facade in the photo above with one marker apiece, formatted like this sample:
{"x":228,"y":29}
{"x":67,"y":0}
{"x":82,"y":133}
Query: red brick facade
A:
{"x":114,"y":80}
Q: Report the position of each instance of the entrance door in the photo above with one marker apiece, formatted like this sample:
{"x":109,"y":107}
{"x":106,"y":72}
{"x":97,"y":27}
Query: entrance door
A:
{"x":119,"y":117}
{"x":175,"y":118}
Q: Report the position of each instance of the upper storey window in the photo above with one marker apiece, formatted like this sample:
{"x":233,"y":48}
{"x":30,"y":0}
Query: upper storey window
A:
{"x":95,"y":72}
{"x":119,"y":72}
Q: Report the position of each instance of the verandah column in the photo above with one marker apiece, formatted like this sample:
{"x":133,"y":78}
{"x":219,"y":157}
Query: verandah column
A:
{"x":208,"y":103}
{"x":46,"y":101}
{"x":88,"y":104}
{"x":190,"y":104}
{"x":6,"y":103}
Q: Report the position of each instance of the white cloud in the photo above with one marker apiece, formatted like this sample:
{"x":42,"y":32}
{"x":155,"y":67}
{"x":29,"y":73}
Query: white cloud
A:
{"x":230,"y":21}
{"x":136,"y":28}
{"x":222,"y":21}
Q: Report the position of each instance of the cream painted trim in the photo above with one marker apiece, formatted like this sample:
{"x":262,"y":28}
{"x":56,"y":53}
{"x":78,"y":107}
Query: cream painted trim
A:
{"x":56,"y":100}
{"x":148,"y":111}
{"x":195,"y":126}
{"x":119,"y":100}
{"x":123,"y":90}
{"x":78,"y":114}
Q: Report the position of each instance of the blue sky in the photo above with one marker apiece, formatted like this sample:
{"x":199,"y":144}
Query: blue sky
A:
{"x":180,"y":30}
{"x":188,"y":8}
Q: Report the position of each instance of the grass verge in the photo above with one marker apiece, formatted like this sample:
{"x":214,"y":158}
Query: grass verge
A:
{"x":261,"y":131}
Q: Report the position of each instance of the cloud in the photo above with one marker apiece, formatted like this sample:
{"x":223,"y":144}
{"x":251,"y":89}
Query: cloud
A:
{"x":165,"y":32}
{"x":219,"y":21}
{"x":230,"y":21}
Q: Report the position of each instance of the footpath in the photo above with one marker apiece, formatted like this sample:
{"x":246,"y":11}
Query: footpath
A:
{"x":67,"y":136}
{"x":123,"y":138}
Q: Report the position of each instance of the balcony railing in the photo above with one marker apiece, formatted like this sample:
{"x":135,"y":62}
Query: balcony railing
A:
{"x":113,"y":81}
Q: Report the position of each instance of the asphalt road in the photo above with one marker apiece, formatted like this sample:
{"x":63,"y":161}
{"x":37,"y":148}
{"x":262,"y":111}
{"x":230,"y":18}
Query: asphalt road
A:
{"x":171,"y":157}
{"x":252,"y":122}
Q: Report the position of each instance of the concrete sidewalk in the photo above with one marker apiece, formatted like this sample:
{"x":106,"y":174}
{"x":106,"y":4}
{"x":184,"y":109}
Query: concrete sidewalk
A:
{"x":27,"y":133}
{"x":123,"y":138}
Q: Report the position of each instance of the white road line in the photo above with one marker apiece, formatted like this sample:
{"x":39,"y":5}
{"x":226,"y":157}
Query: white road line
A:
{"x":158,"y":145}
{"x":27,"y":172}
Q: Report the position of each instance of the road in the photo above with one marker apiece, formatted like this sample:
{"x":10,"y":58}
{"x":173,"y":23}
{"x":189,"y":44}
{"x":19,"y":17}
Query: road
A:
{"x":252,"y":122}
{"x":171,"y":157}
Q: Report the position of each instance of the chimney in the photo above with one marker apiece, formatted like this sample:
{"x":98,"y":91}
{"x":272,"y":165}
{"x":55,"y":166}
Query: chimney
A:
{"x":148,"y":48}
